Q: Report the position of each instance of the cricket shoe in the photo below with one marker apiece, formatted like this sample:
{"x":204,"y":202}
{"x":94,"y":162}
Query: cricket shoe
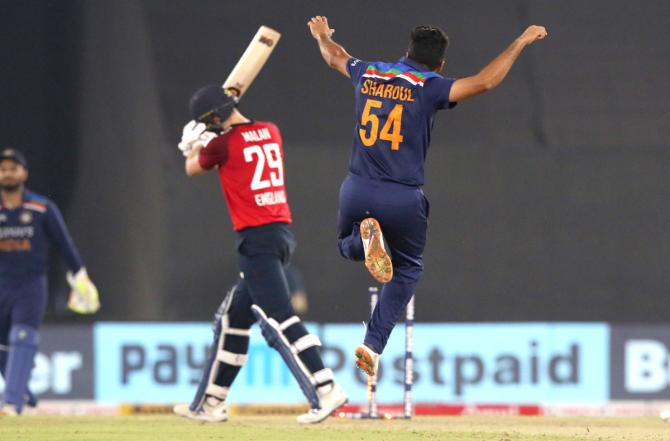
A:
{"x":367,"y":360}
{"x":212,"y":411}
{"x":377,"y":260}
{"x":8,"y":410}
{"x":329,"y":402}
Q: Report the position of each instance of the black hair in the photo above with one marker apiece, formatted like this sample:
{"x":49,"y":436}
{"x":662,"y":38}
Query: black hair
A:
{"x":428,"y":45}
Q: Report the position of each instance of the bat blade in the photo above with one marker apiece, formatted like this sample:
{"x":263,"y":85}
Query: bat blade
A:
{"x":252,"y":61}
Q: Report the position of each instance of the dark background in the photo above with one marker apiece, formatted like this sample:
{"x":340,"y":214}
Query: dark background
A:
{"x":550,"y":195}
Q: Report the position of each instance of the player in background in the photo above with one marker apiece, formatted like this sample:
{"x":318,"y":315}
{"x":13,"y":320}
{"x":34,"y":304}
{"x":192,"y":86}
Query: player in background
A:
{"x":29,"y":223}
{"x":248,"y":157}
{"x":395,"y":105}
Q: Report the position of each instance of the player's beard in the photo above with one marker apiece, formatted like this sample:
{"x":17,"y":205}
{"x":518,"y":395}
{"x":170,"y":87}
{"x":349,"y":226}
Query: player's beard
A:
{"x":11,"y":187}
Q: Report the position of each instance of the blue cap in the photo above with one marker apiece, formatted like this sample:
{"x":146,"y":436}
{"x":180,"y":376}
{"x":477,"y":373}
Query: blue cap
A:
{"x":211,"y":99}
{"x":13,"y":155}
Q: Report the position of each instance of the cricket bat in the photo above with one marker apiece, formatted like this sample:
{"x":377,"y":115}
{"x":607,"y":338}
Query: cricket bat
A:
{"x":250,"y":64}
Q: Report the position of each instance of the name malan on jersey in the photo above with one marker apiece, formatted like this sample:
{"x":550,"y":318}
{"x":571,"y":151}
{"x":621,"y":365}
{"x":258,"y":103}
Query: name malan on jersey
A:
{"x":256,"y":135}
{"x":392,"y":91}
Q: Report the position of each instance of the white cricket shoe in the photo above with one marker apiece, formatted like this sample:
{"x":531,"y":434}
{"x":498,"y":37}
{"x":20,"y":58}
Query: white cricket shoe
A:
{"x":367,"y":360}
{"x":211,"y":411}
{"x":329,"y":402}
{"x":8,"y":410}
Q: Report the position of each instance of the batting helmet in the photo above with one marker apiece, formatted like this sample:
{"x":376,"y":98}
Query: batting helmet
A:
{"x":210,"y":100}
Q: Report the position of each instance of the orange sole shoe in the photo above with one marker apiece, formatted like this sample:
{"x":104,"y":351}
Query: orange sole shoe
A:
{"x":377,"y":260}
{"x":365,"y":361}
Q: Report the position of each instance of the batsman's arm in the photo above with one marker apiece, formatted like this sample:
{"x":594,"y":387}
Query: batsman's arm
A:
{"x":333,"y":54}
{"x":495,"y":72}
{"x":192,"y":164}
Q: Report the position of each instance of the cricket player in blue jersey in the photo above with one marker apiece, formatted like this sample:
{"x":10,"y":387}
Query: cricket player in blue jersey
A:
{"x":29,"y":223}
{"x":395,"y":106}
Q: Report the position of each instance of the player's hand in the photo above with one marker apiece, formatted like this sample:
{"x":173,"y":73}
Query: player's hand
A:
{"x":532,"y":34}
{"x":318,"y":26}
{"x":84,"y":297}
{"x":194,"y":136}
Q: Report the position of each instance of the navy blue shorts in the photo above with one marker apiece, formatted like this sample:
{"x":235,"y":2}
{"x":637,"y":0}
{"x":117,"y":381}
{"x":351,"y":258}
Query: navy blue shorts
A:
{"x":401,"y":210}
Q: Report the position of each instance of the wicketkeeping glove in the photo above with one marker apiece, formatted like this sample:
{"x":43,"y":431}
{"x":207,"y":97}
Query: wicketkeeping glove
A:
{"x":84,"y":298}
{"x":194,"y":136}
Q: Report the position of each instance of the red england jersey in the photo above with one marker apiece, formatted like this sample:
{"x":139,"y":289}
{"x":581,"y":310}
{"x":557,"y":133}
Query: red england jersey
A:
{"x":250,"y":158}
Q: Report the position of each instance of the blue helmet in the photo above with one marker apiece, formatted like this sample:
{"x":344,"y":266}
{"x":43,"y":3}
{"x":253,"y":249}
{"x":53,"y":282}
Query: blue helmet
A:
{"x":210,"y":100}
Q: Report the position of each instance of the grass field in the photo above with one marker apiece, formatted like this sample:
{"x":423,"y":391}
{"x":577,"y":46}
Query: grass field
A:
{"x":278,"y":428}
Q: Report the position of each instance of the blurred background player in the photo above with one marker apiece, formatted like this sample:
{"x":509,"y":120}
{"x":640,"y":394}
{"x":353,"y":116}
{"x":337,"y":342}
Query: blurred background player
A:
{"x":248,"y":156}
{"x":395,"y":105}
{"x":29,"y":223}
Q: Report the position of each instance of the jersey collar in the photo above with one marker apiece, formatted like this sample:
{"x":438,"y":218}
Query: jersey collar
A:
{"x":413,"y":64}
{"x":24,"y":198}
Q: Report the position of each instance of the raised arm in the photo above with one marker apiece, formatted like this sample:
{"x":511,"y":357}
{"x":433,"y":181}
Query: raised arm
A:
{"x":333,"y":54}
{"x":494,"y":73}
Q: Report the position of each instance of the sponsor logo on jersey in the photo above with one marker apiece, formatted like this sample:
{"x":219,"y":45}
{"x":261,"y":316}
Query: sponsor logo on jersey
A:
{"x":16,"y":232}
{"x":16,"y":238}
{"x":3,"y":217}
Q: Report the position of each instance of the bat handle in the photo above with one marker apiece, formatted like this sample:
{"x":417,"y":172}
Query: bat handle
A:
{"x":233,"y":91}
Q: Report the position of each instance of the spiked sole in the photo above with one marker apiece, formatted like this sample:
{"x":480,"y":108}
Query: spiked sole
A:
{"x":364,"y":361}
{"x":377,"y":260}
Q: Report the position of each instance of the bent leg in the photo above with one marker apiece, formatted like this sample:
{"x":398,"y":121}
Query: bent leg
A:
{"x":404,"y":219}
{"x":283,"y":330}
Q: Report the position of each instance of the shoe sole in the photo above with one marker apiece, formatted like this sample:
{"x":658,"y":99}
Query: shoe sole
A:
{"x":364,"y":361}
{"x":377,"y":260}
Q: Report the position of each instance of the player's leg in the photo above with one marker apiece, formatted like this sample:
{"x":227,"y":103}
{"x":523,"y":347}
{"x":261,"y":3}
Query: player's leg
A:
{"x":262,"y":260}
{"x":27,"y":314}
{"x":351,"y":211}
{"x":231,"y":326}
{"x":359,"y":233}
{"x":5,"y":323}
{"x":405,"y":225}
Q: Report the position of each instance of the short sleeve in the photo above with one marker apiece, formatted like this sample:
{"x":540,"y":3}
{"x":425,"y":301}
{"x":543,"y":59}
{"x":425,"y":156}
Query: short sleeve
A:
{"x":356,"y":69}
{"x":214,"y":153}
{"x":437,"y":89}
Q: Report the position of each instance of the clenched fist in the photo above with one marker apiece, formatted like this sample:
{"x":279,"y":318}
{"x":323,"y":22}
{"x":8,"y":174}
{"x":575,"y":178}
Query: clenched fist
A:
{"x":532,"y":34}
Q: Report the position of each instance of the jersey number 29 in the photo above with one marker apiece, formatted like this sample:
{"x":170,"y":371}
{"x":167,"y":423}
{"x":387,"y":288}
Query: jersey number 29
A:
{"x":389,"y":132}
{"x":270,"y":154}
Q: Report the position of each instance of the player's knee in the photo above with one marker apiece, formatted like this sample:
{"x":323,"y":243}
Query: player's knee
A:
{"x":408,"y":272}
{"x":23,"y":335}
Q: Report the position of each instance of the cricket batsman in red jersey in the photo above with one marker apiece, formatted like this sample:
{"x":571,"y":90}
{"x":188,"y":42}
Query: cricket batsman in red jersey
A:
{"x":248,"y":156}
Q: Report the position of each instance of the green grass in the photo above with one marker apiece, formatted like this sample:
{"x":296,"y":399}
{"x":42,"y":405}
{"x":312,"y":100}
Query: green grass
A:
{"x":278,"y":428}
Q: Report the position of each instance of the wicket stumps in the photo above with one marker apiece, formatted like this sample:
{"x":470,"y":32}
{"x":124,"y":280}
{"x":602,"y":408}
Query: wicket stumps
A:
{"x":407,"y":411}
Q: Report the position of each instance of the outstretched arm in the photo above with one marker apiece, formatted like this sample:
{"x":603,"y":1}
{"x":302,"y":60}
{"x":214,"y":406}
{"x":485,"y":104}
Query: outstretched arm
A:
{"x":333,"y":54}
{"x":492,"y":75}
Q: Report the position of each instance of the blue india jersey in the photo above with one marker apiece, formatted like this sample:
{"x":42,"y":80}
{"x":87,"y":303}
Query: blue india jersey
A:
{"x":26,"y":233}
{"x":395,"y":105}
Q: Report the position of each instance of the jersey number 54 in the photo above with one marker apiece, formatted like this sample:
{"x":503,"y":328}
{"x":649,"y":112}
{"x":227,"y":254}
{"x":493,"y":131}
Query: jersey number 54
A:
{"x":389,"y":132}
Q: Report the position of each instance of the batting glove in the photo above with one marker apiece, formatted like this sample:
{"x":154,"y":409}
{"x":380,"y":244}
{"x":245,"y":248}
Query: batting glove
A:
{"x":194,"y":136}
{"x":84,"y":297}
